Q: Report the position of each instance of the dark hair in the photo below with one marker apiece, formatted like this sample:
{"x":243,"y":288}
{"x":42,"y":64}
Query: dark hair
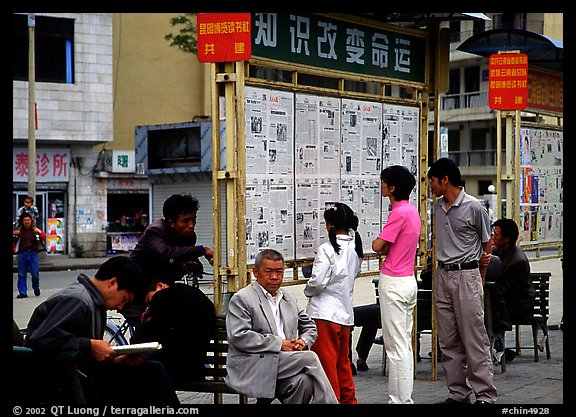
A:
{"x":270,"y":254}
{"x":445,"y":167}
{"x":179,"y":204}
{"x":508,"y":228}
{"x":23,"y":215}
{"x":401,"y":178}
{"x":126,"y":271}
{"x":29,"y":197}
{"x":340,"y":216}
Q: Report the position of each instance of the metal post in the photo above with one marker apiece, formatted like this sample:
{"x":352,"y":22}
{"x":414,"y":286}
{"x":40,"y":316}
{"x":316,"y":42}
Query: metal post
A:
{"x":498,"y":164}
{"x":215,"y":110}
{"x":241,"y":179}
{"x":510,"y":174}
{"x":516,"y":170}
{"x":31,"y":108}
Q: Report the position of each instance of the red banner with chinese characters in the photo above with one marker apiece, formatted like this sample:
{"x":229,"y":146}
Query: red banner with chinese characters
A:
{"x":224,"y":37}
{"x":545,"y":91}
{"x":508,"y":81}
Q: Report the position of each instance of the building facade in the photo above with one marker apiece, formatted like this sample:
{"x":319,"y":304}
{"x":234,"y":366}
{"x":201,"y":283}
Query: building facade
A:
{"x":74,"y":99}
{"x":98,"y":76}
{"x":472,"y":126}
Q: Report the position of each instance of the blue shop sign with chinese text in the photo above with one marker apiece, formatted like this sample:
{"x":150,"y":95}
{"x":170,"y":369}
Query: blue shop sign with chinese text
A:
{"x":338,"y":45}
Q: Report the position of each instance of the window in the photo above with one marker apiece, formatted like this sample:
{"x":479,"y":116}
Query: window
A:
{"x":454,"y":81}
{"x":478,"y":137}
{"x":479,"y":26}
{"x":483,"y":187}
{"x":453,"y":140}
{"x":173,"y":148}
{"x":504,"y":20}
{"x":54,"y":49}
{"x":454,"y":31}
{"x":472,"y":79}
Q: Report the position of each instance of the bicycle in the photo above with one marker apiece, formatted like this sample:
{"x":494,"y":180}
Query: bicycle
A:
{"x":118,"y":331}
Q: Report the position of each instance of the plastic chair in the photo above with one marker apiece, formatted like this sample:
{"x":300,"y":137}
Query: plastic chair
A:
{"x":539,"y":319}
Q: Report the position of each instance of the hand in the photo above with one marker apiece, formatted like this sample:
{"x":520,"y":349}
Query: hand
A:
{"x":146,"y":315}
{"x":484,"y":261}
{"x":101,"y":350}
{"x":293,"y":345}
{"x":209,"y":255}
{"x":131,"y":360}
{"x":299,"y":344}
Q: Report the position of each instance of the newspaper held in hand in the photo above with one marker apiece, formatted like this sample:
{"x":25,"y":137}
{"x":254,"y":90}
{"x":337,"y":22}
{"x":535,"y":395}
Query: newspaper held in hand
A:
{"x":148,"y":347}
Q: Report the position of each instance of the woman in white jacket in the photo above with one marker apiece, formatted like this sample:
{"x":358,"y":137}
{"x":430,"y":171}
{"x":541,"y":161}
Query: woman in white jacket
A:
{"x":330,"y":289}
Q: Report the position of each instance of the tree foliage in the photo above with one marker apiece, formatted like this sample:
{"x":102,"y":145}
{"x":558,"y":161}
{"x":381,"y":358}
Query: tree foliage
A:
{"x":185,"y":40}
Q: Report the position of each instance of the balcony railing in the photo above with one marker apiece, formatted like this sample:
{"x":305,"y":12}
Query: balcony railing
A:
{"x":479,"y":158}
{"x":464,"y":100}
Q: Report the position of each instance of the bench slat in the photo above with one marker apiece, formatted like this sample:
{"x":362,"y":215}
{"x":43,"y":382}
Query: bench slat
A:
{"x":215,"y":374}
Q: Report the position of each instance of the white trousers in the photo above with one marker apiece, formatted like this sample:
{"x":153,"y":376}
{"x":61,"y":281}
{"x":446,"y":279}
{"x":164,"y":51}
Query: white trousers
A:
{"x":397,"y":301}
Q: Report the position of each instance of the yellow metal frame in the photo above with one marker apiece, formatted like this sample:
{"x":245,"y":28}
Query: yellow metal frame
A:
{"x":234,"y":77}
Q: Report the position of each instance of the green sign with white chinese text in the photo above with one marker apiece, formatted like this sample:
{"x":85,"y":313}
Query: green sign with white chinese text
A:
{"x":334,"y":44}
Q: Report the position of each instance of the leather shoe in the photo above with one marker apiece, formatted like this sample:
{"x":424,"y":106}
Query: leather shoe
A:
{"x":22,"y":296}
{"x":452,"y":401}
{"x":379,"y":340}
{"x":361,"y":364}
{"x":481,"y":402}
{"x":37,"y":292}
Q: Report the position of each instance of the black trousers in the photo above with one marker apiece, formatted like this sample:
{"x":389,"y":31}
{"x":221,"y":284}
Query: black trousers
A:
{"x":146,"y":384}
{"x":367,"y":317}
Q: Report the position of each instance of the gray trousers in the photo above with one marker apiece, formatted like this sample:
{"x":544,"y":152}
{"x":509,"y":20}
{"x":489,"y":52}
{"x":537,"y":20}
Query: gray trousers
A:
{"x":459,"y":302}
{"x":301,"y":380}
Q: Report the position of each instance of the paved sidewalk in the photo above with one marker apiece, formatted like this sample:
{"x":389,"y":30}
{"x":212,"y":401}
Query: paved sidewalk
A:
{"x":525,"y":382}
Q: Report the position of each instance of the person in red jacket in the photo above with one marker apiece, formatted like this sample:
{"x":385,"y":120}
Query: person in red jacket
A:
{"x":29,"y":241}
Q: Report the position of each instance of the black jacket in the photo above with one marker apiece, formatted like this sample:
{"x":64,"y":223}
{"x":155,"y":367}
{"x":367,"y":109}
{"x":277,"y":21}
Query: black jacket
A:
{"x":183,"y":320}
{"x":515,"y":283}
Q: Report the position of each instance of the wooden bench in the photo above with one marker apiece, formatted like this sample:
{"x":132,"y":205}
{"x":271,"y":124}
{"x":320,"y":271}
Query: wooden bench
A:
{"x":216,"y":371}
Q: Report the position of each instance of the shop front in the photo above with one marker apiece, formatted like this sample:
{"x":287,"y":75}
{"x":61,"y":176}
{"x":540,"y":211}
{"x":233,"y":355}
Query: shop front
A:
{"x":51,"y":197}
{"x":127,"y":211}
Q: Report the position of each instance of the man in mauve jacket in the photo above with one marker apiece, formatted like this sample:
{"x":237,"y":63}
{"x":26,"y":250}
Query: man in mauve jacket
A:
{"x":165,"y":247}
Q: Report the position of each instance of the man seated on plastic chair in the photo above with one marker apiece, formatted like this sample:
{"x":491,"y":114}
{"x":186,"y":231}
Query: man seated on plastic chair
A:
{"x":515,"y":285}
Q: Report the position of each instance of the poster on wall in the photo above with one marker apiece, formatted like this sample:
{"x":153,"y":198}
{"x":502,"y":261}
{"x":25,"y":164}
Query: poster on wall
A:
{"x":56,"y":234}
{"x":541,"y":185}
{"x":269,"y":171}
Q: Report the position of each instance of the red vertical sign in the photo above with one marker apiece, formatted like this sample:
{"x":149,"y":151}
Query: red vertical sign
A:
{"x":508,"y":81}
{"x":224,"y":37}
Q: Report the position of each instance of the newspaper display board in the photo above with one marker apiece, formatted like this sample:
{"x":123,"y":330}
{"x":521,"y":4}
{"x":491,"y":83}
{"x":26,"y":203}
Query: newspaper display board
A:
{"x":269,"y":168}
{"x":400,"y":139}
{"x":317,"y":168}
{"x":332,"y":149}
{"x":361,"y":163}
{"x":541,"y":185}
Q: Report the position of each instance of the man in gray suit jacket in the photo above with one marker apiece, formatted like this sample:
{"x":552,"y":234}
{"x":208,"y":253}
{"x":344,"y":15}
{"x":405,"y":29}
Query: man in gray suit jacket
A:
{"x":269,"y":338}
